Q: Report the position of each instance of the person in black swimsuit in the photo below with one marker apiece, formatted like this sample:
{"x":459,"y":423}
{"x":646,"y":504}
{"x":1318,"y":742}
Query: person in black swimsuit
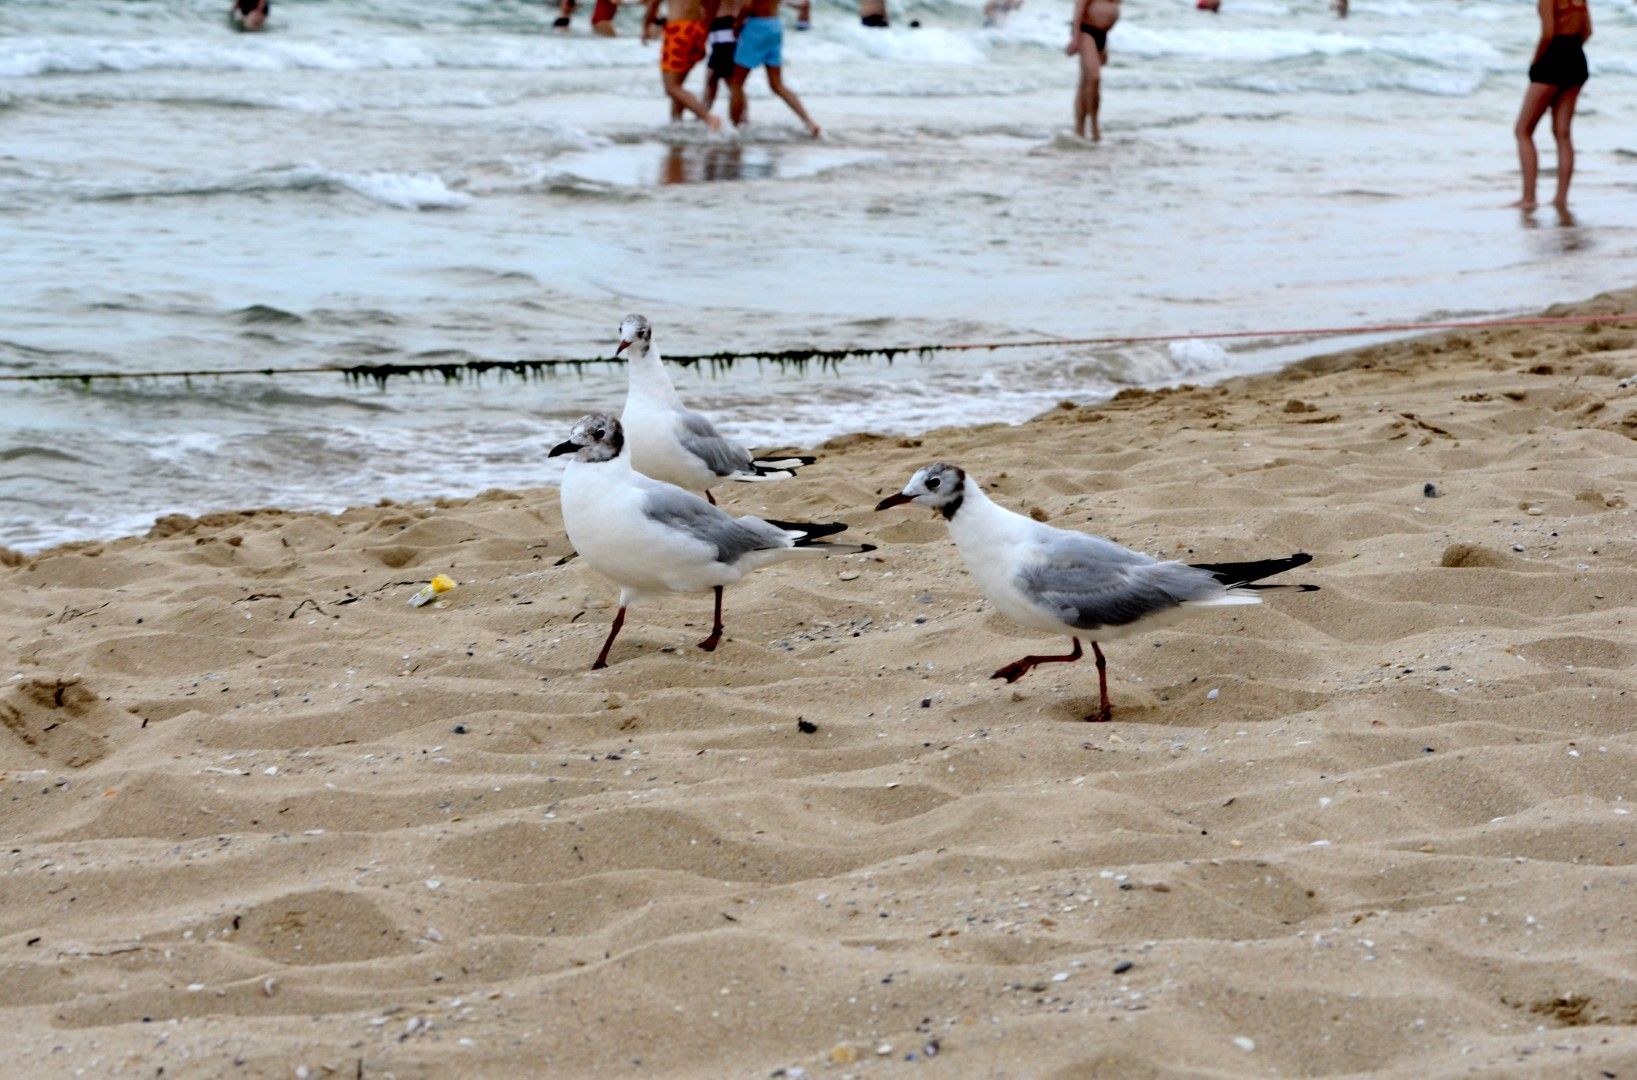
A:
{"x":250,"y":14}
{"x":1088,"y":40}
{"x":1555,"y":78}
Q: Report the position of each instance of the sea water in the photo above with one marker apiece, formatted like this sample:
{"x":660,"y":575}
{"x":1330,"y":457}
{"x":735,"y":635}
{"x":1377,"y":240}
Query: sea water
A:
{"x":403,"y":181}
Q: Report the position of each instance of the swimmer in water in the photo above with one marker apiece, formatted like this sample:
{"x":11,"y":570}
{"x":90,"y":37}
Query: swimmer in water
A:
{"x":1092,"y":21}
{"x":251,"y":14}
{"x":1555,"y":79}
{"x":602,"y":17}
{"x":685,"y":42}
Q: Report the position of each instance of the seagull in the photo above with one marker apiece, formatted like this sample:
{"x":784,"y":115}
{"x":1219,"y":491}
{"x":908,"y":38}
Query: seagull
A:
{"x":671,"y":443}
{"x":1069,"y":582}
{"x":651,"y":537}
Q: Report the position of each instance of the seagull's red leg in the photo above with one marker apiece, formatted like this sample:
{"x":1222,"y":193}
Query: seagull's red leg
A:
{"x":710,"y":643}
{"x":1106,"y":711}
{"x":613,"y":632}
{"x":1018,"y":668}
{"x":710,"y":498}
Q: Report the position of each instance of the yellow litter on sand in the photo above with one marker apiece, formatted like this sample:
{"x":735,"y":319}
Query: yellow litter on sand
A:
{"x":432,"y":590}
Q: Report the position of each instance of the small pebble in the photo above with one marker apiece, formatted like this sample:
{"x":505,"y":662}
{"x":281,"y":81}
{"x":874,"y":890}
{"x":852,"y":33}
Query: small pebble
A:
{"x":1534,"y":511}
{"x":806,"y":727}
{"x":1244,"y":1043}
{"x":1212,"y":695}
{"x":1430,"y":490}
{"x":1123,"y":966}
{"x":849,"y":575}
{"x":459,"y":729}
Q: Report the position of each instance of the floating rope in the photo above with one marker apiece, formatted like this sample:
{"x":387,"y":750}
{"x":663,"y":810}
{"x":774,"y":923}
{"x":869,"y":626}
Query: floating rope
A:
{"x":455,"y":371}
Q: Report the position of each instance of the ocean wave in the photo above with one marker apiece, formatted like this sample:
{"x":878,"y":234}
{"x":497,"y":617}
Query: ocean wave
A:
{"x":400,"y":190}
{"x":26,"y":57}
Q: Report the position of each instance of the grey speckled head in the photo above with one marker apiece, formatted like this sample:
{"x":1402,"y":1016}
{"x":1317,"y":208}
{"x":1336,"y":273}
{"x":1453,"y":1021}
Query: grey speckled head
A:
{"x":940,"y":485}
{"x":596,"y":437}
{"x":634,"y":330}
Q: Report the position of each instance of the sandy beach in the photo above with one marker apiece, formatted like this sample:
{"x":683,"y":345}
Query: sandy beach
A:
{"x":262,"y":818}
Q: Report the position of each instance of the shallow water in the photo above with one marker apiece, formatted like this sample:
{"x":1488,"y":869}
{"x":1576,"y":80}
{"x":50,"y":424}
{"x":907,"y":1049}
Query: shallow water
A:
{"x":391,"y":182}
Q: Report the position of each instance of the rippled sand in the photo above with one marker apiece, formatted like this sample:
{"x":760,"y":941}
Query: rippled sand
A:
{"x":260,"y":811}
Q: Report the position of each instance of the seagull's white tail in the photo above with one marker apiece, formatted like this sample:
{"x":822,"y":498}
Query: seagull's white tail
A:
{"x":1227,"y":599}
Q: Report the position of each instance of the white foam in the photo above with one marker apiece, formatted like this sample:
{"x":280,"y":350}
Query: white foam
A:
{"x":1194,"y":357}
{"x":406,"y":191}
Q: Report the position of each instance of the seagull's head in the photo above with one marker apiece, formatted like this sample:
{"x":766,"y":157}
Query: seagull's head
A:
{"x":597,"y":437}
{"x":940,"y":485}
{"x":634,"y":330}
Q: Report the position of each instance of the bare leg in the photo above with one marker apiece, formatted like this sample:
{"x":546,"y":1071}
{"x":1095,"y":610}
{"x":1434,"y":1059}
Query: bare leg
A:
{"x":1095,"y":94}
{"x":1080,"y":106}
{"x":711,"y":81}
{"x":1562,"y":118}
{"x":613,"y":632}
{"x":1091,"y":78}
{"x":710,"y":643}
{"x":775,"y":82}
{"x":736,"y":95}
{"x":1018,"y":668}
{"x":1536,"y":100}
{"x":1105,"y":711}
{"x":681,"y":99}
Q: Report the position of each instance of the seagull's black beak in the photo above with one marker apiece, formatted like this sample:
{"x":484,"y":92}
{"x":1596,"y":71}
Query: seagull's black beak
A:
{"x":623,"y":346}
{"x":894,"y":500}
{"x":564,"y":448}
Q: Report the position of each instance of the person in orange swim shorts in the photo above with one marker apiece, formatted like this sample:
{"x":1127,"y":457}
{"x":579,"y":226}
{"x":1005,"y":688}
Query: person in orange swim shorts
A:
{"x":686,"y":30}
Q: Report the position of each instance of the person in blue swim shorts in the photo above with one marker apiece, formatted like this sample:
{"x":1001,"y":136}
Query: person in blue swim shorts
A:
{"x":761,"y":44}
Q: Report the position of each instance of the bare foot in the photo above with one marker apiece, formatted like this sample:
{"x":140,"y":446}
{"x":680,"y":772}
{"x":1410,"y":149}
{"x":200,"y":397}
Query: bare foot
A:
{"x":815,"y":131}
{"x":713,"y":122}
{"x":1522,"y":204}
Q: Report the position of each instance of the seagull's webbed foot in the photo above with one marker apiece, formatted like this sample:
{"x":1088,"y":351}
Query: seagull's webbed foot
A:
{"x":710,"y":643}
{"x":1018,"y":668}
{"x":1015,"y":670}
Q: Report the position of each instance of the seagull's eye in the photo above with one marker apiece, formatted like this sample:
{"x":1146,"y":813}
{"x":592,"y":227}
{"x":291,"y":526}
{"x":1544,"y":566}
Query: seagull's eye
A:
{"x":932,"y":484}
{"x":598,"y":434}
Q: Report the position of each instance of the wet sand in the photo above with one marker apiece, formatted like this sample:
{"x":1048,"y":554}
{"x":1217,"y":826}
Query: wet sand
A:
{"x":261,"y":813}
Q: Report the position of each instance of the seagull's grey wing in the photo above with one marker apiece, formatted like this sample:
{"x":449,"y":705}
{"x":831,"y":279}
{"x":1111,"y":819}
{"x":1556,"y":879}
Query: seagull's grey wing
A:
{"x":700,"y":438}
{"x":1091,"y":583}
{"x":687,"y":513}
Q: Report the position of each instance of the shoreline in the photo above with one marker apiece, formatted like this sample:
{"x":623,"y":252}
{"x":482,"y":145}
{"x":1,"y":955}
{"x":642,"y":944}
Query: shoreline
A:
{"x":265,"y":809}
{"x":168,"y":521}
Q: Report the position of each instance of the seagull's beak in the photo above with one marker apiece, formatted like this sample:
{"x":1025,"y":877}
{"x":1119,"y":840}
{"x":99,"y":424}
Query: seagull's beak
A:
{"x":564,"y":448}
{"x":894,"y":500}
{"x":624,"y":344}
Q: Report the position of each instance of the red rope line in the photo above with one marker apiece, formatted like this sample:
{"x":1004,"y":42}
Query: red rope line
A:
{"x":1315,"y":331}
{"x":383,"y":371}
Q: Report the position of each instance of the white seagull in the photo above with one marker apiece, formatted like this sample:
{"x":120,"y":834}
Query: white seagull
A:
{"x":671,"y":443}
{"x":651,"y":537}
{"x":1069,"y":582}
